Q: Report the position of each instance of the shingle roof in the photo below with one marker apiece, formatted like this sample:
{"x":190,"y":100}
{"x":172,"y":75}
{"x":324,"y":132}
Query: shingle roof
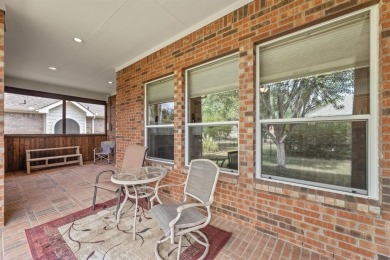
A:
{"x":330,"y":110}
{"x":25,"y":103}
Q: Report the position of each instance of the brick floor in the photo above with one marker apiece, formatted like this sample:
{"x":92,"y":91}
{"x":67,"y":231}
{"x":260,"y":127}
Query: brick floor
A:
{"x":42,"y":196}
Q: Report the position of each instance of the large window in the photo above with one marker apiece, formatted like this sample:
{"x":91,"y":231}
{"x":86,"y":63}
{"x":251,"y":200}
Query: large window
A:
{"x":212,"y":112}
{"x":159,"y":119}
{"x":316,"y":107}
{"x":39,"y":114}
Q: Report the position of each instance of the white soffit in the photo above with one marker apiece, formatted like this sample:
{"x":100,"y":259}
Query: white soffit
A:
{"x":177,"y":9}
{"x":116,"y":33}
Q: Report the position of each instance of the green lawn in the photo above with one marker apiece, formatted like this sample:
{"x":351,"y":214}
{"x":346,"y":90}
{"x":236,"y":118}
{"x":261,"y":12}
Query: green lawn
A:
{"x":329,"y":171}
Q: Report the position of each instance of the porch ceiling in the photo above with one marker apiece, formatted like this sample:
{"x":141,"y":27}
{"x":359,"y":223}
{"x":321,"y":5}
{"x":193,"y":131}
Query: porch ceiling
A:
{"x":115,"y":33}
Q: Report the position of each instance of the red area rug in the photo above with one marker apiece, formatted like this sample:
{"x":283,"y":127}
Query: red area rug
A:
{"x":89,"y":234}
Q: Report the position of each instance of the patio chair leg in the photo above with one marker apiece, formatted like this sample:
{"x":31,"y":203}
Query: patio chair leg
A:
{"x":179,"y":248}
{"x":118,"y":202}
{"x":160,"y":241}
{"x":94,"y":198}
{"x":204,"y":243}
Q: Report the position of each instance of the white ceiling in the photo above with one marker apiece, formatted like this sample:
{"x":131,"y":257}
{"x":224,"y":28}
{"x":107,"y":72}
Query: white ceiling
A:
{"x":116,"y":33}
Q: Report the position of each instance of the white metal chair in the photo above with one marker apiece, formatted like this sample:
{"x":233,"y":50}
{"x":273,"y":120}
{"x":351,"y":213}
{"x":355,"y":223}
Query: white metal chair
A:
{"x":177,"y":220}
{"x":134,"y":157}
{"x":105,"y":152}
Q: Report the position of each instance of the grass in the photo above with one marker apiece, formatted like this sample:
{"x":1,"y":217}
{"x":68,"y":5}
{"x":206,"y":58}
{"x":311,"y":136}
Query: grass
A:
{"x":329,"y":171}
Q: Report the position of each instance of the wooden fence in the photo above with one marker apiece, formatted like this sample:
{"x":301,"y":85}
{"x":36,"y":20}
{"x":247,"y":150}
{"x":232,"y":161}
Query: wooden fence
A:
{"x":16,"y":146}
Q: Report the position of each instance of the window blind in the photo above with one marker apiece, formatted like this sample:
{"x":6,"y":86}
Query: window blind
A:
{"x":215,"y":77}
{"x":341,"y":46}
{"x":160,"y":91}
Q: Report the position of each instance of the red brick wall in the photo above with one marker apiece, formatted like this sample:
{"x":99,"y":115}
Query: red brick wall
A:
{"x":2,"y":22}
{"x":334,"y":225}
{"x":111,"y":117}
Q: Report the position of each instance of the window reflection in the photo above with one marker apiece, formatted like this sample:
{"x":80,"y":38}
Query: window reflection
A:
{"x":217,"y":143}
{"x":160,"y":143}
{"x":162,"y":113}
{"x":331,"y":153}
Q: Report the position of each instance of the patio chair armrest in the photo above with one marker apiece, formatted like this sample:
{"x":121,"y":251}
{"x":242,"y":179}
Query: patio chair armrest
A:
{"x":162,"y":186}
{"x":103,"y":172}
{"x":191,"y":205}
{"x":186,"y":206}
{"x":183,"y":207}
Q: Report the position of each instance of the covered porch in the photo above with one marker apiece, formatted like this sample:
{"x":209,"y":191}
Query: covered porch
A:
{"x":50,"y":194}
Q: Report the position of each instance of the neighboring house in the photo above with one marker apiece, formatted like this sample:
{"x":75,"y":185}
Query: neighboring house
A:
{"x":37,"y":115}
{"x":346,"y":107}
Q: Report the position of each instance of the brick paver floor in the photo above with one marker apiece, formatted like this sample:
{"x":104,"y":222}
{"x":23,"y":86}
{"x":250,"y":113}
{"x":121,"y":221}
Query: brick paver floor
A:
{"x":42,"y":196}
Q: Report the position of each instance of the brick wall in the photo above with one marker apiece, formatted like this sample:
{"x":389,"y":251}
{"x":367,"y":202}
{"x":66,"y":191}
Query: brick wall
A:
{"x":2,"y":23}
{"x":23,"y":123}
{"x":111,"y":117}
{"x":335,"y":225}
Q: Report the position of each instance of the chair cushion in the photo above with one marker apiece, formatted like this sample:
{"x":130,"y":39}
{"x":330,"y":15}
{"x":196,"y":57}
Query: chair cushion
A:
{"x":165,"y":213}
{"x":108,"y":185}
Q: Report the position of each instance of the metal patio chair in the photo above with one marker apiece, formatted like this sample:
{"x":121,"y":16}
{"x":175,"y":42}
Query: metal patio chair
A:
{"x":184,"y":218}
{"x":134,"y":157}
{"x":233,"y":160}
{"x":105,"y":152}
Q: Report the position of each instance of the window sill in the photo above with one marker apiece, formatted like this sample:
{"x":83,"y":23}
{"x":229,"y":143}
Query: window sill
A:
{"x":335,"y":199}
{"x":159,"y":162}
{"x":228,"y":177}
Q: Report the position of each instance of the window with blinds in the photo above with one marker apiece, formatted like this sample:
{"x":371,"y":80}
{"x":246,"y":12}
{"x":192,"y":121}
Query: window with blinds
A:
{"x":338,"y":47}
{"x":159,"y":117}
{"x":316,"y":125}
{"x":212,"y":112}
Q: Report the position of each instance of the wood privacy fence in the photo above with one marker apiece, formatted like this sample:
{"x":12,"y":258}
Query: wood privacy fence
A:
{"x":16,"y":146}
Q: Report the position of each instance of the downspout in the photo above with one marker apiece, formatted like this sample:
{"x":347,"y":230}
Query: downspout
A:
{"x":93,"y":125}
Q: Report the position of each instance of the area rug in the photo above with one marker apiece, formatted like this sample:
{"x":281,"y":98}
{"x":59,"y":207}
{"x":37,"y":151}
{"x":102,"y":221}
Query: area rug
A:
{"x":89,"y":234}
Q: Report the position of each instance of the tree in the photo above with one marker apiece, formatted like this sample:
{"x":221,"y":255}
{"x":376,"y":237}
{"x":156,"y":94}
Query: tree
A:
{"x":220,"y":107}
{"x":296,"y":98}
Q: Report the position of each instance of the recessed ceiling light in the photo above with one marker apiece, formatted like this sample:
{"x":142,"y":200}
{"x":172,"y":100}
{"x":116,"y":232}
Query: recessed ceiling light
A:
{"x":78,"y":40}
{"x":52,"y":68}
{"x":110,"y":82}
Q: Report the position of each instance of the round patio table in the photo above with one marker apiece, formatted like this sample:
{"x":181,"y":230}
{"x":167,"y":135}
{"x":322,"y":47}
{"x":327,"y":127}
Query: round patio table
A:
{"x":137,"y":178}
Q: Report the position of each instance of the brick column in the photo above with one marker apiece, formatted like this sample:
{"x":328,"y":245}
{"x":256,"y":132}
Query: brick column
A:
{"x":111,"y":118}
{"x":179,"y":121}
{"x":2,"y":22}
{"x":384,"y":112}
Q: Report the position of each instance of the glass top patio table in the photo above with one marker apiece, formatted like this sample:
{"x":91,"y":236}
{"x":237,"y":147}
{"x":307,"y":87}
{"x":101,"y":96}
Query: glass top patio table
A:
{"x":139,"y":175}
{"x":135,"y":178}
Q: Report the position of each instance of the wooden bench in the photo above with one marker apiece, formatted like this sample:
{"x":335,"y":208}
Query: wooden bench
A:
{"x":49,"y":161}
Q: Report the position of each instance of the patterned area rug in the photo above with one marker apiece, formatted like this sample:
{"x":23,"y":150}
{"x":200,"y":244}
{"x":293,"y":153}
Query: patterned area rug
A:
{"x":89,"y":234}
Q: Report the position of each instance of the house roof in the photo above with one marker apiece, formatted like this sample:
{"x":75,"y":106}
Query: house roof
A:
{"x":329,"y":110}
{"x":31,"y":104}
{"x":16,"y":102}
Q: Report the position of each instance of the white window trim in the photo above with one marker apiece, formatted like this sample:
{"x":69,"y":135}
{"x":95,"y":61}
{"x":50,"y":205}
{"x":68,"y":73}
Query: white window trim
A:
{"x":373,"y":122}
{"x":188,"y":125}
{"x":146,"y":123}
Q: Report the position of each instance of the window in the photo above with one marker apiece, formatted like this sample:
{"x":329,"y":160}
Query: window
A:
{"x":159,"y":119}
{"x":316,"y":107}
{"x":39,"y":114}
{"x":212,"y":112}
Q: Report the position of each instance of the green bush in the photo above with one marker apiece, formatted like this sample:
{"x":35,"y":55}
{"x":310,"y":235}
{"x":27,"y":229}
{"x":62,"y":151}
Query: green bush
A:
{"x":208,"y":143}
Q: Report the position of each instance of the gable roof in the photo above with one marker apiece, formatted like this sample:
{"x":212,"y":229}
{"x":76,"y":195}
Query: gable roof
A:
{"x":330,"y":110}
{"x":32,"y":104}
